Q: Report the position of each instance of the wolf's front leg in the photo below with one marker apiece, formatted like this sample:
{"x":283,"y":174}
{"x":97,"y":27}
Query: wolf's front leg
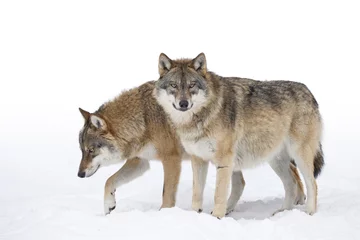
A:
{"x":133,"y":168}
{"x":200,"y":169}
{"x":223,"y":176}
{"x":172,"y":169}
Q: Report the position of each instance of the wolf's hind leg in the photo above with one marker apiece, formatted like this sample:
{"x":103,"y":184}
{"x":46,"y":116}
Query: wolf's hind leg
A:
{"x":132,"y":169}
{"x":200,"y":169}
{"x":305,"y":162}
{"x":237,"y":188}
{"x":300,"y":195}
{"x":290,"y":179}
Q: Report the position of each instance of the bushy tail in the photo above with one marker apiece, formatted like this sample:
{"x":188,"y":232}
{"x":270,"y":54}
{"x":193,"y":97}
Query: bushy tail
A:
{"x":318,"y":162}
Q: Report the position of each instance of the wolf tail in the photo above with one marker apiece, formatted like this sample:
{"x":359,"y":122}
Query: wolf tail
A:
{"x":318,"y":162}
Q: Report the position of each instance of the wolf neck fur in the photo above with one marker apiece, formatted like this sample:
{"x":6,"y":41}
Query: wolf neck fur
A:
{"x":121,"y":112}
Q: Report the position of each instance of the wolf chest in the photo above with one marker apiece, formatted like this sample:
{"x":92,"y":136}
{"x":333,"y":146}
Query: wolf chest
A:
{"x":204,"y":148}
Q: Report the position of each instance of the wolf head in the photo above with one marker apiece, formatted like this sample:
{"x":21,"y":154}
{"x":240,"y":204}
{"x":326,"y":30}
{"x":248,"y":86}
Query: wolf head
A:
{"x":97,"y":145}
{"x":182,"y":85}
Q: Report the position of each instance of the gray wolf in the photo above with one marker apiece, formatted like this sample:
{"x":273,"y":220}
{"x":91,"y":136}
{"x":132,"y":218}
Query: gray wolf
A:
{"x":239,"y":123}
{"x":134,"y":127}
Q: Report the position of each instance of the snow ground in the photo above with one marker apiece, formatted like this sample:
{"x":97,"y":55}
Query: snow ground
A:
{"x":56,"y":56}
{"x":58,"y":205}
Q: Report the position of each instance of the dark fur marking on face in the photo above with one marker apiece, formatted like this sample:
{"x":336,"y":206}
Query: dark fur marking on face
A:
{"x":98,"y":143}
{"x":83,"y":133}
{"x":183,"y":83}
{"x":161,"y":83}
{"x":194,"y":91}
{"x":200,"y":83}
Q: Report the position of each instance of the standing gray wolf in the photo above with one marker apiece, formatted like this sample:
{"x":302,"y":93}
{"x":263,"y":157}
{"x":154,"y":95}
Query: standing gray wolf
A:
{"x":134,"y":126}
{"x":239,"y":123}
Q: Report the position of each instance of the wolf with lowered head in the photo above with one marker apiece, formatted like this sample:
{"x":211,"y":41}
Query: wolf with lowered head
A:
{"x":134,"y":127}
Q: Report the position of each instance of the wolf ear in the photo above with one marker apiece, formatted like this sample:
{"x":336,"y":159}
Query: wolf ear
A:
{"x":199,"y":63}
{"x":98,"y":122}
{"x":84,"y":113}
{"x":164,"y":64}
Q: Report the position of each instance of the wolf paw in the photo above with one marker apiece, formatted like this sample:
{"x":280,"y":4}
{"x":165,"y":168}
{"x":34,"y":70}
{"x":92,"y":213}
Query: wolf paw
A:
{"x":300,"y":200}
{"x":310,"y":206}
{"x":218,"y":212}
{"x":310,"y":211}
{"x":279,"y":211}
{"x":108,"y":207}
{"x":196,"y":206}
{"x":229,"y":210}
{"x":198,"y":210}
{"x":109,"y":204}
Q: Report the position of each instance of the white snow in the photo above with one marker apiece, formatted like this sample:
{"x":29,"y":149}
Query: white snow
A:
{"x":60,"y":206}
{"x":58,"y":56}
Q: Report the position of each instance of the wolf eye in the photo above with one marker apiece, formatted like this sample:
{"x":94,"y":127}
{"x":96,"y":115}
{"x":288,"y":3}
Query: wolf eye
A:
{"x":192,"y":85}
{"x":91,"y":150}
{"x":173,"y":85}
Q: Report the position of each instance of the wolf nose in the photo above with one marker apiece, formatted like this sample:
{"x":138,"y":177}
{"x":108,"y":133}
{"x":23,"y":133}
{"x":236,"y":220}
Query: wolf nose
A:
{"x":81,"y":174}
{"x":184,"y":104}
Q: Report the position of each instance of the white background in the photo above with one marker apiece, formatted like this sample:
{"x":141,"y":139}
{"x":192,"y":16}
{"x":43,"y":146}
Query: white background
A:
{"x":56,"y":56}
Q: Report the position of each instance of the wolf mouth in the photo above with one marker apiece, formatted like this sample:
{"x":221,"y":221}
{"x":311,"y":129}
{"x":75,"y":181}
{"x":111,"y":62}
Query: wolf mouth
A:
{"x":183,"y":109}
{"x":97,"y":167}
